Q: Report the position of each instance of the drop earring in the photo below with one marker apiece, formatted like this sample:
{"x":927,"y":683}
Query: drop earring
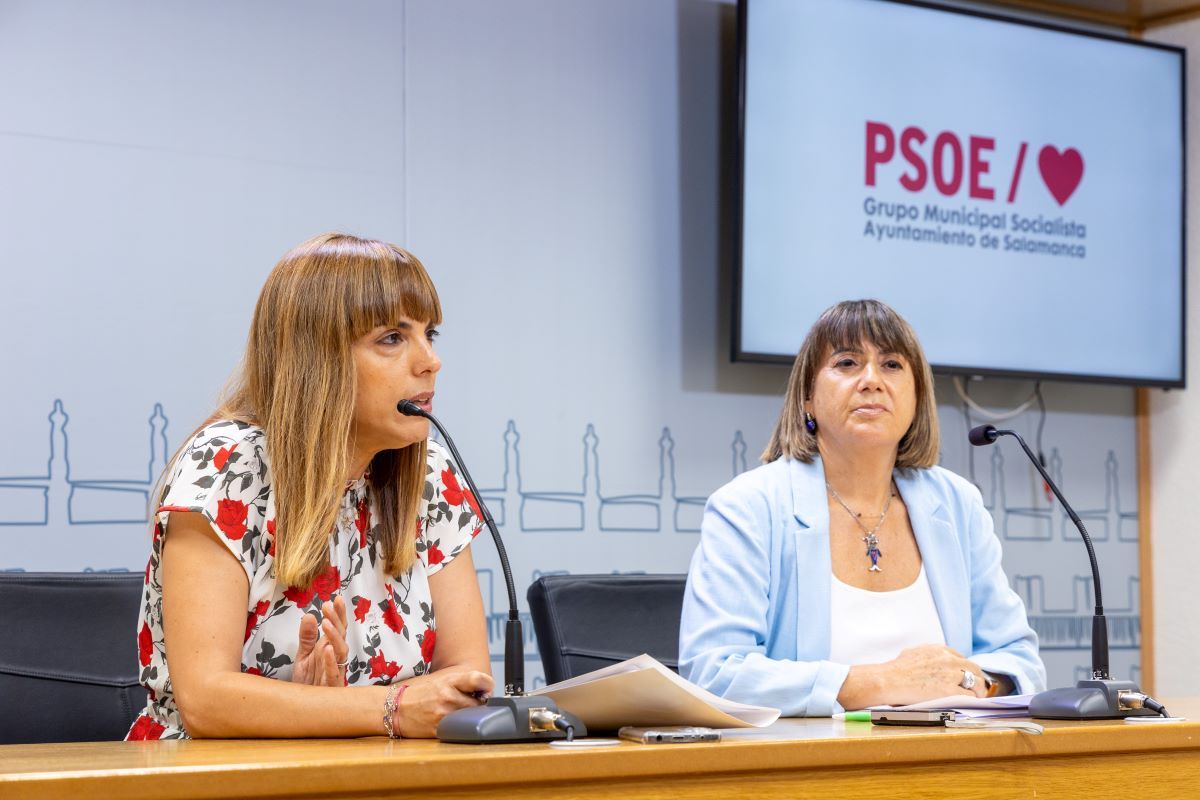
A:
{"x":810,"y":423}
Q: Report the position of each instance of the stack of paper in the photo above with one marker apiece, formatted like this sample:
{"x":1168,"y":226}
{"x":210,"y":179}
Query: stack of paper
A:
{"x":641,"y":691}
{"x":1016,"y":705}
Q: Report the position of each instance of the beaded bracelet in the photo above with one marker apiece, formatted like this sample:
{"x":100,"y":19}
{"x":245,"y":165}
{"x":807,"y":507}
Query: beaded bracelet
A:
{"x":390,"y":703}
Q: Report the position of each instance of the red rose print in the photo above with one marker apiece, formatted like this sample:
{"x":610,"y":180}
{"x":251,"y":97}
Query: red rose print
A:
{"x":222,"y":456}
{"x":428,"y":642}
{"x":271,"y":534}
{"x":361,"y":608}
{"x":473,"y":503}
{"x":231,"y":518}
{"x":145,"y":645}
{"x":253,"y":671}
{"x":392,"y":618}
{"x":301,"y":597}
{"x":452,"y":492}
{"x":144,"y":729}
{"x":476,"y":531}
{"x":252,"y":618}
{"x":434,"y":555}
{"x":362,"y":523}
{"x":382,"y":668}
{"x":148,"y":563}
{"x":327,"y":582}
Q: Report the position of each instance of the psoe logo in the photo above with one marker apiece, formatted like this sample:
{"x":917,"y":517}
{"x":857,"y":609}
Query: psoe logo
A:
{"x":951,"y":163}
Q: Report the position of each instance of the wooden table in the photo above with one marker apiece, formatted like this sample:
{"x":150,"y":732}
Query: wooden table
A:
{"x":794,"y":758}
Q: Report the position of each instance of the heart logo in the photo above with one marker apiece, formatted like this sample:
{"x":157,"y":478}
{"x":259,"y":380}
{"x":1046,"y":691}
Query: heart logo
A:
{"x":1061,"y":172}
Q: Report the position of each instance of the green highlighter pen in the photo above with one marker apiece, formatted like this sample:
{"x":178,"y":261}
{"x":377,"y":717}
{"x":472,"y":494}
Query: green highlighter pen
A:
{"x":853,"y":716}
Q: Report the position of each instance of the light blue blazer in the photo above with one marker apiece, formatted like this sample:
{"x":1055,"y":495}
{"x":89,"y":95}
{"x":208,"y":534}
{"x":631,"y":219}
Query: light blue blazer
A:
{"x":755,"y":626}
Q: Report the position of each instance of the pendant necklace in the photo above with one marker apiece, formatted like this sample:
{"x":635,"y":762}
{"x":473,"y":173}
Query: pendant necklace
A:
{"x":869,"y":537}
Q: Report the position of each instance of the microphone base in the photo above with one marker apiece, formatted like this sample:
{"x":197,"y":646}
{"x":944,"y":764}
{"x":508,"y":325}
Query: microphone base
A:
{"x":504,"y":719}
{"x":1088,"y":699}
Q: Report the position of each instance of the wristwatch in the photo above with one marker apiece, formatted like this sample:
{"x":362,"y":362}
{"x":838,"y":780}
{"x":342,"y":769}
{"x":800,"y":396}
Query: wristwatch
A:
{"x":995,"y":685}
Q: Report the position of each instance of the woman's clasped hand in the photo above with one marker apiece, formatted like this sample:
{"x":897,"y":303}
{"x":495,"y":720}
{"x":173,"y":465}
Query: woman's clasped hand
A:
{"x":321,"y":656}
{"x":919,"y":673}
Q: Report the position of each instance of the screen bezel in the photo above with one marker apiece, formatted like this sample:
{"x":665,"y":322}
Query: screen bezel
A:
{"x":740,"y":355}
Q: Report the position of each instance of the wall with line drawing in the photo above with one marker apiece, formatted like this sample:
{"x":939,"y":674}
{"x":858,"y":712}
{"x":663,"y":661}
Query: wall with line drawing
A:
{"x":560,"y":170}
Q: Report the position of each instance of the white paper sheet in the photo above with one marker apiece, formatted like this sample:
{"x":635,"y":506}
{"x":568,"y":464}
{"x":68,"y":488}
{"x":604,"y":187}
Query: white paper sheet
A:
{"x":641,"y":691}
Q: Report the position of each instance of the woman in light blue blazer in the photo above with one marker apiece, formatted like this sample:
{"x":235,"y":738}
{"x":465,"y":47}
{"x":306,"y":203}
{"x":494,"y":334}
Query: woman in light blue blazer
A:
{"x":849,"y":570}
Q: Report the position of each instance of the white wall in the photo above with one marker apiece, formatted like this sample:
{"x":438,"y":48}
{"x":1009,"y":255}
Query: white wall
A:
{"x":562,"y":169}
{"x":1175,"y":445}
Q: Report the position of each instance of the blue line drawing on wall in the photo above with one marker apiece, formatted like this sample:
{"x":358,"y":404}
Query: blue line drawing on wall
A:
{"x":996,"y":503}
{"x":739,"y":453}
{"x":1111,"y":516}
{"x":566,"y":511}
{"x":1043,"y":521}
{"x":1070,"y":627}
{"x":57,"y":498}
{"x":496,"y":620}
{"x":1067,"y":628}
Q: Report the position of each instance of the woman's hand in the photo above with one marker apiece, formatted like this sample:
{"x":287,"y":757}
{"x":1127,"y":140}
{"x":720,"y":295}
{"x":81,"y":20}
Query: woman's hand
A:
{"x":433,"y":696}
{"x":321,"y":657}
{"x":919,"y":673}
{"x":929,"y":671}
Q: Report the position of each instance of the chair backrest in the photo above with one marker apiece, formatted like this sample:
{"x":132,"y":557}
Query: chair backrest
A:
{"x":68,"y":656}
{"x":585,"y":622}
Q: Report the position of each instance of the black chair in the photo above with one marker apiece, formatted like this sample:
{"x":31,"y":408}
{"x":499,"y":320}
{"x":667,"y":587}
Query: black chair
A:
{"x":68,"y":656}
{"x":585,"y":622}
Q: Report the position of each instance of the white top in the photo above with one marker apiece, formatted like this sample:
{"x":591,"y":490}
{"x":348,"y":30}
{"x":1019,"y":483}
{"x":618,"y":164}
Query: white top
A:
{"x":869,"y":627}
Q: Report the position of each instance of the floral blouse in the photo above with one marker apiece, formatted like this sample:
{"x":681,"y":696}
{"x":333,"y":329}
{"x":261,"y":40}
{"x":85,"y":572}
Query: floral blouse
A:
{"x":225,"y":474}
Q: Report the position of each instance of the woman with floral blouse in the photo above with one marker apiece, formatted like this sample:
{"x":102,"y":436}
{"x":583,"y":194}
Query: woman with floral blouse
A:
{"x":310,"y":573}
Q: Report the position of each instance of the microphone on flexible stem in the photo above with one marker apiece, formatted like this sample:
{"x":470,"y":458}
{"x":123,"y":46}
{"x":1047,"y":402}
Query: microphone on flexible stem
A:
{"x":1100,"y":697}
{"x":515,"y":717}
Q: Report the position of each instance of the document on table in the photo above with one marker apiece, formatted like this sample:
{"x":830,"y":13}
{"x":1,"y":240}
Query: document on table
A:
{"x":1015,"y":705}
{"x":643,"y":692}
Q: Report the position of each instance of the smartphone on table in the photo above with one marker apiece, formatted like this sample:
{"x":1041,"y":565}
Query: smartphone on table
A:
{"x":887,"y":716}
{"x":669,"y":734}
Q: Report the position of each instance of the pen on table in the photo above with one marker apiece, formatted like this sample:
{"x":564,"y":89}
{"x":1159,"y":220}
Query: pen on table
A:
{"x":853,"y":716}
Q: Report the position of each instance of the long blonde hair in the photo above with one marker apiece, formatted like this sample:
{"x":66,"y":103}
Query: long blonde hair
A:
{"x":297,"y":382}
{"x":843,"y":326}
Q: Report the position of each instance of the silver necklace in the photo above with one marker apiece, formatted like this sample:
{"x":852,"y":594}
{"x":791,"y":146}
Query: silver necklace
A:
{"x":869,"y":537}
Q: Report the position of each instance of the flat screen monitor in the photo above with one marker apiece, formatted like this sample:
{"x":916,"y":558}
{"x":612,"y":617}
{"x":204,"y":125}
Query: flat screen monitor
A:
{"x":1014,"y":190}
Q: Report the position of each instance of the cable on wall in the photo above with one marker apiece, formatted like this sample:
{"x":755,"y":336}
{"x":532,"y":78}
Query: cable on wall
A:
{"x":988,"y":414}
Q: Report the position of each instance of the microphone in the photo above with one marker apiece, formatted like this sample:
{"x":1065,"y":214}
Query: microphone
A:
{"x":984,"y":434}
{"x":515,"y":717}
{"x":1100,"y":697}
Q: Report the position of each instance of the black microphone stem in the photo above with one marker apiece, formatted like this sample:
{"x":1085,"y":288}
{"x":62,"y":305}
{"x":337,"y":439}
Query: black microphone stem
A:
{"x":1100,"y":697}
{"x":514,"y":643}
{"x":1099,"y":627}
